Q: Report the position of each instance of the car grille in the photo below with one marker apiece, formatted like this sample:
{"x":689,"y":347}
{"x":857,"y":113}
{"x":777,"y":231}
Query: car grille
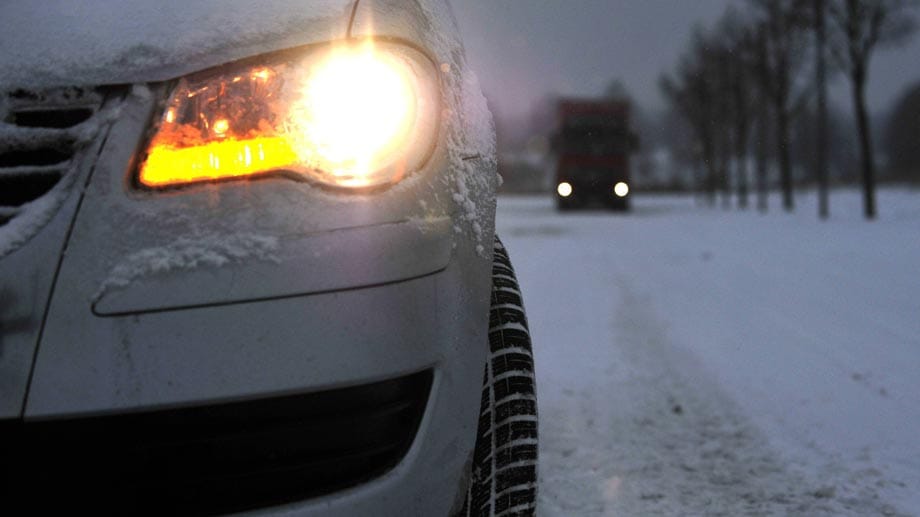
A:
{"x":41,"y":133}
{"x":216,"y":459}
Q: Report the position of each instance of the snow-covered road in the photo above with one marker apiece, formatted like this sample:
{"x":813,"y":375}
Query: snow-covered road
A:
{"x":694,"y":361}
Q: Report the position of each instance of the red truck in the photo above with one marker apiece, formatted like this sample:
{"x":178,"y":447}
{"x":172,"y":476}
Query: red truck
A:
{"x":592,"y":145}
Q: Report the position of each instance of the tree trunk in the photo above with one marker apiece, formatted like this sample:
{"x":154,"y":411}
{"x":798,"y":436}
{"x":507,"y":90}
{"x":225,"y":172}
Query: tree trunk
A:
{"x":699,"y":186}
{"x":711,"y":173}
{"x":741,"y":179}
{"x":785,"y":165}
{"x":741,"y":149}
{"x":761,"y":171}
{"x":821,"y":72}
{"x":865,"y":141}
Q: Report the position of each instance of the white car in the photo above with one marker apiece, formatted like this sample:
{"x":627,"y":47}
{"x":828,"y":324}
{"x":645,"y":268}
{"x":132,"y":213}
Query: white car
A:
{"x":248,"y":264}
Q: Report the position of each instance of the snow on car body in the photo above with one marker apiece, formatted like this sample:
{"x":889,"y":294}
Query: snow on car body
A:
{"x":341,"y":330}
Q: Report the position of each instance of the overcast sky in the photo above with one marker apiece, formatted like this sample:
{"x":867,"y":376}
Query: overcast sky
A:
{"x":523,"y":49}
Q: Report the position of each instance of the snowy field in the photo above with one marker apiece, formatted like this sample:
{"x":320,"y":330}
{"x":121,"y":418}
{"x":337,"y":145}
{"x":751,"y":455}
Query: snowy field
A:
{"x":695,"y":361}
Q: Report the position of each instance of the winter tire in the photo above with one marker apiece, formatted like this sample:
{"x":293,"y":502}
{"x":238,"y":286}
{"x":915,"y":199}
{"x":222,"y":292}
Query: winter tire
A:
{"x":504,"y":475}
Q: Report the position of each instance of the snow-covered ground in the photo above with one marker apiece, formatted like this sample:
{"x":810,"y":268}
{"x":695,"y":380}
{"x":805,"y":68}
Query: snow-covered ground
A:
{"x":695,"y":361}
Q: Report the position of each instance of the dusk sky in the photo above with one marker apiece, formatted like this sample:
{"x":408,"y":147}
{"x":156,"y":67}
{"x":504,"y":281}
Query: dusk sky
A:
{"x":523,"y":49}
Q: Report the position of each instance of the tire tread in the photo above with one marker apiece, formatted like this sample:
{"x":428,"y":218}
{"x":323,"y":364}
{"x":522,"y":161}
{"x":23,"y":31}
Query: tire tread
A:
{"x":504,"y":477}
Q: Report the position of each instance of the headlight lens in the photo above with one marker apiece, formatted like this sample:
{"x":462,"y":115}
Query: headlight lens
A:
{"x":354,"y":116}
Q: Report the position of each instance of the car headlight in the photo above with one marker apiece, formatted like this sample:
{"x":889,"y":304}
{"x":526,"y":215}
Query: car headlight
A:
{"x":357,"y":115}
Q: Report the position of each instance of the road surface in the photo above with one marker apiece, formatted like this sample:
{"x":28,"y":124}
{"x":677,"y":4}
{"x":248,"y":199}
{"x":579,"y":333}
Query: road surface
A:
{"x":694,"y":361}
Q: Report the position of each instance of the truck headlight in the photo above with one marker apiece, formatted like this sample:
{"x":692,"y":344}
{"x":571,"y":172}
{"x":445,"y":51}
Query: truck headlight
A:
{"x":564,"y":189}
{"x":359,"y":115}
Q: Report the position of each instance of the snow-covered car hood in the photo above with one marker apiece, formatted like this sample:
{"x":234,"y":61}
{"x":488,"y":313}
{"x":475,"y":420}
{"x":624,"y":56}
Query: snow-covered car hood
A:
{"x":86,"y":42}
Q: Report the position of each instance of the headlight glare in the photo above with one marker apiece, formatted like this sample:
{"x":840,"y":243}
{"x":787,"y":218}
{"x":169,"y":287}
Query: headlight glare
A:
{"x":352,"y":116}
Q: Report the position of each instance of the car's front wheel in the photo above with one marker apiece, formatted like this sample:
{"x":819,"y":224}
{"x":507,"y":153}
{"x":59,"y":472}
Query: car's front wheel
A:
{"x":504,"y":476}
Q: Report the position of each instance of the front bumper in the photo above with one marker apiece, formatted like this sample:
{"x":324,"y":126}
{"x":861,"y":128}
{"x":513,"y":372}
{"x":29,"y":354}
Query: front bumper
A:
{"x":289,"y":346}
{"x":218,"y":458}
{"x":587,"y":192}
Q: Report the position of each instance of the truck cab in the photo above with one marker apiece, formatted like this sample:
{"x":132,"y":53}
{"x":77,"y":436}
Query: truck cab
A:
{"x":592,"y":145}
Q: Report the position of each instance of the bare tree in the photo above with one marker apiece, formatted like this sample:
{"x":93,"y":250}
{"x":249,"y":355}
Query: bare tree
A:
{"x":716,"y":57}
{"x":764,"y":131}
{"x":761,"y":156}
{"x":690,"y":98}
{"x":783,"y":50}
{"x":900,"y":136}
{"x":740,"y":40}
{"x":819,"y":11}
{"x":862,"y":26}
{"x":693,"y":93}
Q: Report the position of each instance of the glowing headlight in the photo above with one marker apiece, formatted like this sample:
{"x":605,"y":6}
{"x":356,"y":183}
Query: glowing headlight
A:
{"x":564,"y":189}
{"x":353,"y":116}
{"x":621,"y":189}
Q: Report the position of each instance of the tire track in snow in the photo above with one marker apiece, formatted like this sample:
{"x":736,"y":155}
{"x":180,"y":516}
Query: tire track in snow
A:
{"x":657,"y":436}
